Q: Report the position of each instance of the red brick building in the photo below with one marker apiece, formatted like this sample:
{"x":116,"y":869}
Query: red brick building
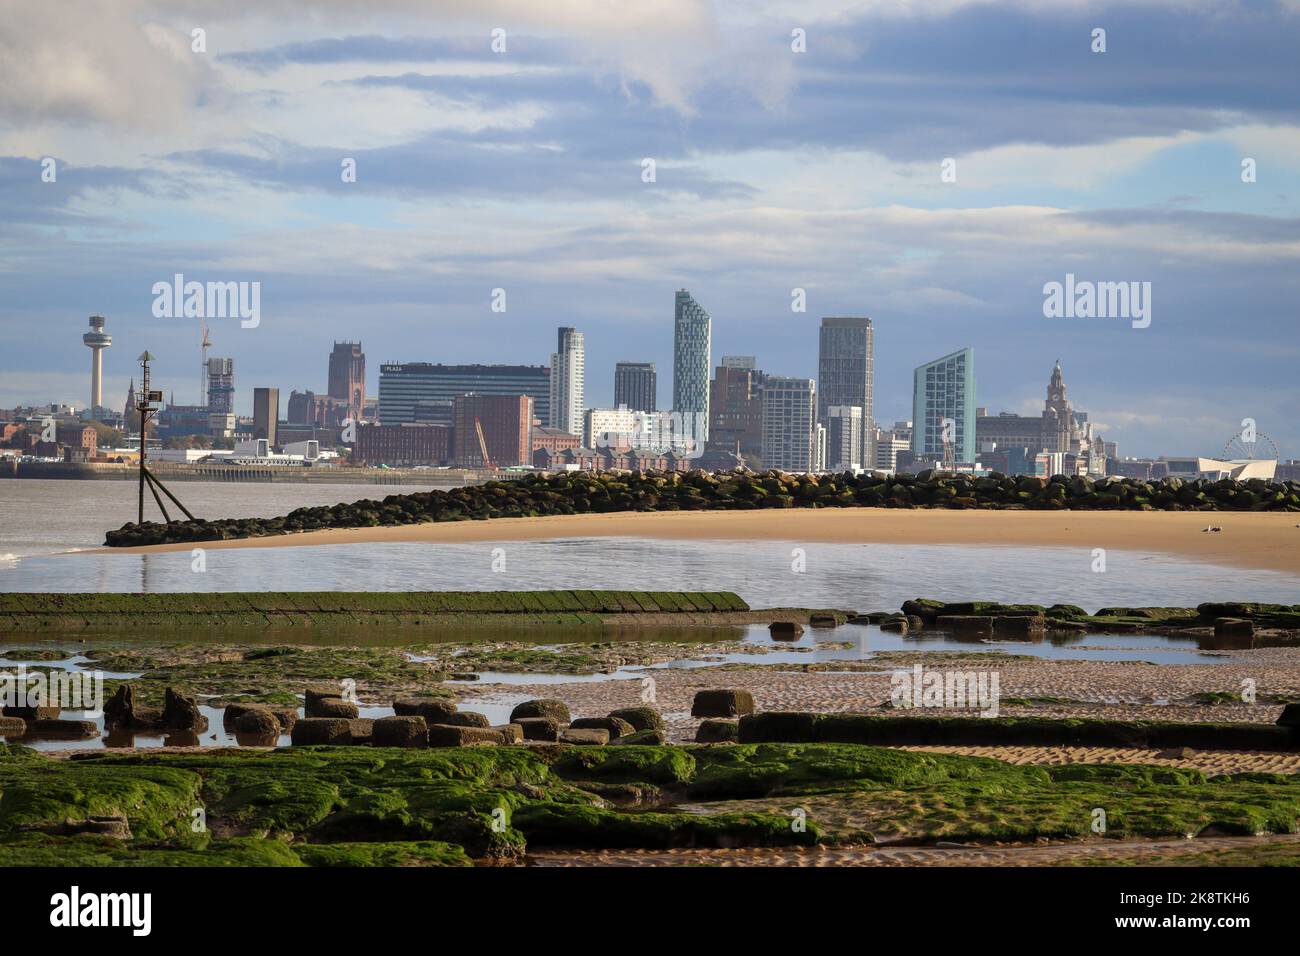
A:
{"x":78,"y":436}
{"x":507,"y":423}
{"x":402,"y":445}
{"x":553,"y":439}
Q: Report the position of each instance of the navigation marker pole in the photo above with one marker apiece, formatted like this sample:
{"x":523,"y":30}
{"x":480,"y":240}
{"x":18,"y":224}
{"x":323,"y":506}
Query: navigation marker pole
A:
{"x":146,"y":406}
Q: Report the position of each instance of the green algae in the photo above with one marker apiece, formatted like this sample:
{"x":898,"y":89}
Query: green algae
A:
{"x":355,"y":806}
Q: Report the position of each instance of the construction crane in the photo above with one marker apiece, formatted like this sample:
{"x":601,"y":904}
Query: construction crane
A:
{"x":204,"y":344}
{"x":482,"y":443}
{"x":948,"y":464}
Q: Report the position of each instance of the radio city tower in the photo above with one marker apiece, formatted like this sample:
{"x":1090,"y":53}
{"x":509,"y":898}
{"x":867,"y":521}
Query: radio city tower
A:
{"x":97,"y":340}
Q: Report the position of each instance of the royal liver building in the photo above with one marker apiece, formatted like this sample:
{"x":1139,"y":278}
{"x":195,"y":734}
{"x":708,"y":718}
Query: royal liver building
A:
{"x":1058,"y":429}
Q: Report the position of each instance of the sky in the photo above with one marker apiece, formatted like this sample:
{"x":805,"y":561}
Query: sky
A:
{"x":930,"y":164}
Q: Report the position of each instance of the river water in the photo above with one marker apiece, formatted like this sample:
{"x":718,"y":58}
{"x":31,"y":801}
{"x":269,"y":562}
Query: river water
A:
{"x":42,"y":520}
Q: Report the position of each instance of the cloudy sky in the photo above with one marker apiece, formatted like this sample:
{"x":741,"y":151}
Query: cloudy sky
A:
{"x":775,"y":170}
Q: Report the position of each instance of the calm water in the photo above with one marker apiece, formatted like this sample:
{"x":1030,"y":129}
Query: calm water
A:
{"x":853,"y":577}
{"x":41,"y":517}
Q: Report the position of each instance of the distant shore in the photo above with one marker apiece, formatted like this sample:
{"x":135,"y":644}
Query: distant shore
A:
{"x":170,"y":471}
{"x":1262,"y":540}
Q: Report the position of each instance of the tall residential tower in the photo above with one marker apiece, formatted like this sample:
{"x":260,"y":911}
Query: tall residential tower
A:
{"x":847,"y":374}
{"x":636,"y":385}
{"x":692,"y":342}
{"x":568,"y":381}
{"x":943,"y":408}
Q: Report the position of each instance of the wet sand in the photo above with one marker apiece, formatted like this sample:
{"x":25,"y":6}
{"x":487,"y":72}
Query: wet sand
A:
{"x":1079,"y":689}
{"x":1139,"y":852}
{"x":1248,"y":539}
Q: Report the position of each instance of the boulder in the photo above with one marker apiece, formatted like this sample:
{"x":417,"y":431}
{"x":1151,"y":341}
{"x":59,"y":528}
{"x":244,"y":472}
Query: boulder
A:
{"x":120,"y":708}
{"x":447,"y":735}
{"x":311,"y":695}
{"x":714,"y":731}
{"x":1233,"y":627}
{"x":539,"y":728}
{"x":332,"y":707}
{"x":823,"y":619}
{"x":1019,"y":628}
{"x":426,"y":707}
{"x":615,"y":726}
{"x":1290,"y":716}
{"x":12,"y":726}
{"x":785,"y":631}
{"x":510,"y":733}
{"x":641,"y":718}
{"x":66,"y":729}
{"x":33,"y":713}
{"x":286,"y":716}
{"x":181,"y":712}
{"x":722,"y":703}
{"x":404,"y":731}
{"x":260,"y":723}
{"x":434,"y":711}
{"x":465,"y":718}
{"x":557,"y":710}
{"x":230,"y":716}
{"x":894,"y":625}
{"x":594,"y":736}
{"x":362,"y":729}
{"x":321,"y":730}
{"x":969,"y":626}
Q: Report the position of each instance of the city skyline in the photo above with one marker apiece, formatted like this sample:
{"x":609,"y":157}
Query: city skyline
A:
{"x":524,"y":172}
{"x":348,"y":359}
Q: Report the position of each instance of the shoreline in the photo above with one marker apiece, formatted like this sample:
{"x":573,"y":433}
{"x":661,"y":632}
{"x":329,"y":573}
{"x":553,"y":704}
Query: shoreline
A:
{"x":1260,"y":540}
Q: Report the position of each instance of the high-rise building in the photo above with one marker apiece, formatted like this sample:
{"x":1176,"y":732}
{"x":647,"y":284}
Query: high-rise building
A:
{"x":889,"y":443}
{"x":347,"y":377}
{"x":266,"y":414}
{"x":501,"y":425}
{"x":739,"y":361}
{"x":568,"y":381}
{"x":843,"y":425}
{"x":943,"y":408}
{"x":846,"y":372}
{"x":736,"y":408}
{"x":636,"y":385}
{"x":97,"y":340}
{"x":420,"y":392}
{"x":692,"y":344}
{"x":789,"y":423}
{"x":221,"y":386}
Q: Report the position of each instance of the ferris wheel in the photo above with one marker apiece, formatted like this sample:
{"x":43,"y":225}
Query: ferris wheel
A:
{"x":1249,"y":446}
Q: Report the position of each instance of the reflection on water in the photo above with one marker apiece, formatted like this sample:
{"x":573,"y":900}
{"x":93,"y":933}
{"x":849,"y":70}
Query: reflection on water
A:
{"x":854,"y":577}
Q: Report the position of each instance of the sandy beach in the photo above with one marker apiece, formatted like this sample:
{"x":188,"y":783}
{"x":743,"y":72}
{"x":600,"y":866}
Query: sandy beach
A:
{"x":1248,"y":539}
